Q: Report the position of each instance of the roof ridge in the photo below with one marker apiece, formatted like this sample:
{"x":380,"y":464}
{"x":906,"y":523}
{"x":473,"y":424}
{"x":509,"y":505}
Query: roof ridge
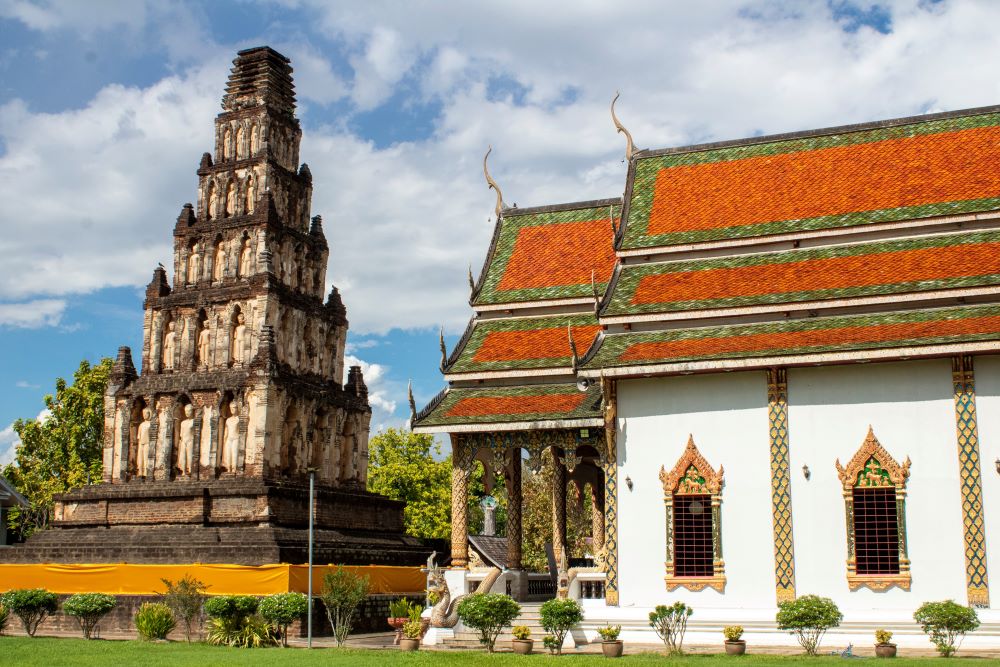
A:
{"x":568,"y":206}
{"x":818,"y":132}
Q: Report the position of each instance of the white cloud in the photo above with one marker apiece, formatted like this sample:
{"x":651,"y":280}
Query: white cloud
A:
{"x":32,"y":314}
{"x":8,"y":445}
{"x":534,"y":79}
{"x":380,"y":388}
{"x":24,"y":384}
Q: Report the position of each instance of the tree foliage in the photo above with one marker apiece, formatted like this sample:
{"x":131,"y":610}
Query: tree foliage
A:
{"x":185,"y":598}
{"x":63,"y":450}
{"x":31,"y":605}
{"x":536,"y":517}
{"x":402,"y":466}
{"x":946,"y":623}
{"x":283,"y":609}
{"x":808,"y":618}
{"x":489,"y":613}
{"x":89,"y":609}
{"x":670,"y":624}
{"x":558,"y":617}
{"x":343,"y":592}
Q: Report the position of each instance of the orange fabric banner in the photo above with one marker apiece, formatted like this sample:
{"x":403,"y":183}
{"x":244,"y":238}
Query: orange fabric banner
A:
{"x":221,"y":579}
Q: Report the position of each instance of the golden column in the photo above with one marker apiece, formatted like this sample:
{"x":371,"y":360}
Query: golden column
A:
{"x":558,"y":506}
{"x":460,"y":465}
{"x":513,"y":465}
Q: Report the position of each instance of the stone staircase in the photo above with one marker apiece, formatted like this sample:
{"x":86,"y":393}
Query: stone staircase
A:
{"x":530,"y":616}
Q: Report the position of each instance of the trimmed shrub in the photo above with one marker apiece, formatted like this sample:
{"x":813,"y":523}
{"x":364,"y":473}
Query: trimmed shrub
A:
{"x":609,"y":633}
{"x":732,"y":633}
{"x":882,"y":636}
{"x":489,"y":613}
{"x":89,"y":609}
{"x":559,"y":617}
{"x":342,"y":594}
{"x":233,"y":621}
{"x":946,"y":622}
{"x":670,"y":624}
{"x":808,"y":618}
{"x":413,"y":630}
{"x":522,"y":632}
{"x":283,"y":609}
{"x":154,"y":620}
{"x":185,"y":598}
{"x":31,"y":605}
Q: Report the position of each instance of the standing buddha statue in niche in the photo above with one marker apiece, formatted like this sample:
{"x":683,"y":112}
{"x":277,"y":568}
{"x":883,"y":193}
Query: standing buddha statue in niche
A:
{"x":194,"y":265}
{"x":245,"y":259}
{"x":203,"y":343}
{"x":142,"y":442}
{"x":169,"y":346}
{"x":185,"y":449}
{"x":239,"y":339}
{"x":231,"y":439}
{"x":219,"y":261}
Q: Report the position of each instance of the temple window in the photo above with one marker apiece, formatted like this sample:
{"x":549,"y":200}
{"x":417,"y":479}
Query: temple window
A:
{"x":874,"y":487}
{"x":692,"y":493}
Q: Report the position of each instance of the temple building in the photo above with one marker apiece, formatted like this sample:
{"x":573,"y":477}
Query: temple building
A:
{"x":241,"y":396}
{"x":775,"y":360}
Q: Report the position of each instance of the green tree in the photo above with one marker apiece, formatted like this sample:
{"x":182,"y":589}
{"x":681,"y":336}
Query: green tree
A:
{"x":536,"y":516}
{"x":63,"y":450}
{"x":402,"y":466}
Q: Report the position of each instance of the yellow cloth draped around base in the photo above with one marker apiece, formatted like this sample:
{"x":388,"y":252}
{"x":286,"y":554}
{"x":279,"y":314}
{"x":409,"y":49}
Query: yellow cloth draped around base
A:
{"x":220,"y":579}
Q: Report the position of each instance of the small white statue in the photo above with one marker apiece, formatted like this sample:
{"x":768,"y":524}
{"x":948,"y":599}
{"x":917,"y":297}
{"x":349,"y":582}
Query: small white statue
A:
{"x":203,"y":344}
{"x":230,"y":199}
{"x":245,"y":258}
{"x":239,"y":339}
{"x":185,"y":449}
{"x":251,"y":195}
{"x":194,"y":266}
{"x":231,"y":443}
{"x":169,"y":346}
{"x":219,"y":263}
{"x":142,"y":442}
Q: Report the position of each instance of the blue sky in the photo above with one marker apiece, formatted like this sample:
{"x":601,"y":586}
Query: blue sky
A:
{"x":106,"y":107}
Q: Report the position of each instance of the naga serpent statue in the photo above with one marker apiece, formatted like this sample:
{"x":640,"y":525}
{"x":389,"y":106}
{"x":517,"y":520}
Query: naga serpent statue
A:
{"x":444,"y":614}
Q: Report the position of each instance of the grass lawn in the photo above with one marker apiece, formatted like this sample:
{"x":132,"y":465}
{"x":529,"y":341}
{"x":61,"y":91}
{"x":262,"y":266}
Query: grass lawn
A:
{"x":56,"y":652}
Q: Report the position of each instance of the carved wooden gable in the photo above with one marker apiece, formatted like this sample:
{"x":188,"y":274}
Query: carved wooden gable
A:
{"x":692,"y":475}
{"x":873,"y":466}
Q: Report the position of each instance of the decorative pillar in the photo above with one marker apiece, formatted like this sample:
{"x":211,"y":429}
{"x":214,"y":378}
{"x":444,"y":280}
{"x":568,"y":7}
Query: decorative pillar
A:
{"x":461,"y":460}
{"x":558,"y":508}
{"x":610,"y":465}
{"x":781,"y":489}
{"x":514,"y":500}
{"x":964,"y":383}
{"x":597,"y":517}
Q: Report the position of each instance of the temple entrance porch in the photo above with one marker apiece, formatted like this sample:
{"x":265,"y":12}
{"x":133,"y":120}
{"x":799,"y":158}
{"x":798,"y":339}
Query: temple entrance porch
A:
{"x":577,"y":459}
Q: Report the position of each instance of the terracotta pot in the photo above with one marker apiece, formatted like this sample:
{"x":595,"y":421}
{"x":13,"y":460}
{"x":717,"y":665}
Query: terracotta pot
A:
{"x":738,"y":647}
{"x":406,"y":644}
{"x":523,"y":646}
{"x":613,"y":648}
{"x":397,"y":625}
{"x":885,"y":650}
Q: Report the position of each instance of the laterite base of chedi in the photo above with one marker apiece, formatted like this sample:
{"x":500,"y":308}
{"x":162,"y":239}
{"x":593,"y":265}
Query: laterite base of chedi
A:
{"x":235,"y":521}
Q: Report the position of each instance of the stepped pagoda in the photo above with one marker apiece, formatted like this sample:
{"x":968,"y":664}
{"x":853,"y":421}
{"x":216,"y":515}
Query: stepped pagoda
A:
{"x":208,"y":451}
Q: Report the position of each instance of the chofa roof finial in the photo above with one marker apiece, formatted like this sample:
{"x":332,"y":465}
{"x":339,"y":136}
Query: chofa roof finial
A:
{"x":444,"y":350}
{"x":629,"y":145}
{"x":413,"y":404}
{"x":575,"y":358}
{"x":493,"y":184}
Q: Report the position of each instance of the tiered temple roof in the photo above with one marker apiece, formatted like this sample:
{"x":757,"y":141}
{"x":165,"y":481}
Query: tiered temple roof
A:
{"x":855,"y":243}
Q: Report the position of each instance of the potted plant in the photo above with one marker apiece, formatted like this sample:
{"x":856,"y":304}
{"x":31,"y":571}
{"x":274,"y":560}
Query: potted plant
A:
{"x":522,"y":642}
{"x":610,"y":644}
{"x":883,"y":647}
{"x":399,"y":615}
{"x":411,"y":636}
{"x":734,"y":645}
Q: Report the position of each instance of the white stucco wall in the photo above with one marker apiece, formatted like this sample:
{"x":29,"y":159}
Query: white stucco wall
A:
{"x":911,"y":409}
{"x":727,"y":414}
{"x":909,"y":405}
{"x":988,"y":416}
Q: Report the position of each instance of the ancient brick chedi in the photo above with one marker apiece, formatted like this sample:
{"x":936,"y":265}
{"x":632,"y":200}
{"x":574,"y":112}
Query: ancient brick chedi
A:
{"x":241,"y":392}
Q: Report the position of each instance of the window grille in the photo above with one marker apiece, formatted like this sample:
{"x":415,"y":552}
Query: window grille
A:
{"x":876,"y":531}
{"x":874,"y":487}
{"x":693,"y":536}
